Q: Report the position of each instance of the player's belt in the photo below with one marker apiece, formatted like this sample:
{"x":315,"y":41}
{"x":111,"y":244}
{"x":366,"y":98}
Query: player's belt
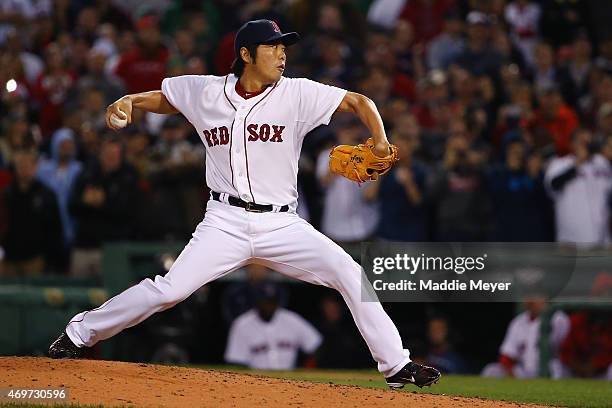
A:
{"x":249,"y":206}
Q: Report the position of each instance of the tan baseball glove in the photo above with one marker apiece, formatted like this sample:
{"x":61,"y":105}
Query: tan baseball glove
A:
{"x":359,"y":163}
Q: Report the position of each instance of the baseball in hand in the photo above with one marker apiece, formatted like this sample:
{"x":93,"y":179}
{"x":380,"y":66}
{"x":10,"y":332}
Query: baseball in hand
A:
{"x":117,"y":121}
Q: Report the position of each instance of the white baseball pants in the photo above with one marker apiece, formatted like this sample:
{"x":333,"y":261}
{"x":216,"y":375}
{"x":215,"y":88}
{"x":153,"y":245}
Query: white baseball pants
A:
{"x":229,"y":238}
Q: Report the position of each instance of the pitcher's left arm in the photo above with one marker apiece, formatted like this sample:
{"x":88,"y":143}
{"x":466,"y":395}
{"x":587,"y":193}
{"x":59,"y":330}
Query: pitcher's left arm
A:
{"x":367,"y":112}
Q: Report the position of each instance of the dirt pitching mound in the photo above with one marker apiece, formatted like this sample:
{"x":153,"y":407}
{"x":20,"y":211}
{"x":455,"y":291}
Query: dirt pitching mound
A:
{"x":113,"y":383}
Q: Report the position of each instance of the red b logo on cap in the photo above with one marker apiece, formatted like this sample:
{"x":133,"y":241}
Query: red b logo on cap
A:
{"x":276,"y":27}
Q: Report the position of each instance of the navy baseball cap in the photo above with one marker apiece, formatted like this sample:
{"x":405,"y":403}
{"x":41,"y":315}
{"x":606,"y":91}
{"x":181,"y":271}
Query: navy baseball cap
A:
{"x":262,"y":32}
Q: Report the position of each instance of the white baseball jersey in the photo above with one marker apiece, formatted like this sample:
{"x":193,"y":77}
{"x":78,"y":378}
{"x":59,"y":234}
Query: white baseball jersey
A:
{"x":523,"y":336}
{"x":253,"y":145}
{"x":582,"y":206}
{"x":270,"y":345}
{"x":252,"y":150}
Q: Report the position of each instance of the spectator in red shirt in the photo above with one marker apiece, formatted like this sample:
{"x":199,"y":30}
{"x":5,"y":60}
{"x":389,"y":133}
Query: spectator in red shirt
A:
{"x":224,"y":56}
{"x":587,"y":349}
{"x":554,"y":121}
{"x":381,"y":58}
{"x":427,"y":17}
{"x":51,"y":89}
{"x":144,"y":67}
{"x":433,"y":93}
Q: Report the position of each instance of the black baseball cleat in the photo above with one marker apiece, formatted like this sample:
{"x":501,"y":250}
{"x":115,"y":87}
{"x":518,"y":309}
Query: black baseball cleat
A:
{"x":63,"y":347}
{"x":414,"y":373}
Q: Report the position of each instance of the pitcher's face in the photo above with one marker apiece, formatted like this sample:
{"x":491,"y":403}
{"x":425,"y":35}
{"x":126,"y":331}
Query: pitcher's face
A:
{"x":270,"y":61}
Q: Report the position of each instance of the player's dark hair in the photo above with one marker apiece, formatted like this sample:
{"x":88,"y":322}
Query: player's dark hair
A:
{"x":239,"y":64}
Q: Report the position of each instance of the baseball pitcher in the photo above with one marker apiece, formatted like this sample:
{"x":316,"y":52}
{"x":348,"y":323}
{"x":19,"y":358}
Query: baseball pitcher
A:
{"x":252,"y":123}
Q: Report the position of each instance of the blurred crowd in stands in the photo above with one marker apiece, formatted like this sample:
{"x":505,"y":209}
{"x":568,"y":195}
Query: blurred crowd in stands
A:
{"x":502,"y":111}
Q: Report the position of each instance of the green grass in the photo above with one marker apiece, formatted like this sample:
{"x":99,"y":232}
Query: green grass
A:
{"x":567,"y":393}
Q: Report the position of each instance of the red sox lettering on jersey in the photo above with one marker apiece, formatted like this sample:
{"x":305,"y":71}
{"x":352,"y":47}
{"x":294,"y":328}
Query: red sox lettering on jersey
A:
{"x":265,"y":132}
{"x":211,"y":136}
{"x":253,"y":144}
